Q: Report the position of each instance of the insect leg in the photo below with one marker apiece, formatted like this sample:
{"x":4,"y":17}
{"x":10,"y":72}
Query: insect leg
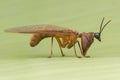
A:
{"x":51,"y":51}
{"x":60,"y":44}
{"x":82,"y":50}
{"x":76,"y":53}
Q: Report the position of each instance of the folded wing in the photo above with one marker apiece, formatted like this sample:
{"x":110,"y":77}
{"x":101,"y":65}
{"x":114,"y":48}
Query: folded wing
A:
{"x":41,"y":29}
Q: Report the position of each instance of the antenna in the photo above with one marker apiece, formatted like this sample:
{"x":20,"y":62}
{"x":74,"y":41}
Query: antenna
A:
{"x":102,"y":28}
{"x":97,"y":35}
{"x":101,"y":24}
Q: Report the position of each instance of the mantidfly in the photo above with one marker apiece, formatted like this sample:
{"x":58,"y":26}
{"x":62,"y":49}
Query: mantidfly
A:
{"x":64,"y":36}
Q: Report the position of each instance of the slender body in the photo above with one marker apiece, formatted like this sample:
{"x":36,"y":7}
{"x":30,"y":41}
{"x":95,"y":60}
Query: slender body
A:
{"x":66,"y":38}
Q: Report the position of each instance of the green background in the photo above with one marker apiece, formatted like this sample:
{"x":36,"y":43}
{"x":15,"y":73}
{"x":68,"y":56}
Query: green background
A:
{"x":18,"y":61}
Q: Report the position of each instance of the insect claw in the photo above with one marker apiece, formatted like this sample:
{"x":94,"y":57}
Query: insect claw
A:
{"x":78,"y":56}
{"x":49,"y":56}
{"x":63,"y":55}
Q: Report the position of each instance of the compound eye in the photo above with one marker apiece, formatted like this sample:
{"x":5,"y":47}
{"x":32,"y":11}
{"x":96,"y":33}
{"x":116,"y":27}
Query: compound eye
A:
{"x":97,"y":36}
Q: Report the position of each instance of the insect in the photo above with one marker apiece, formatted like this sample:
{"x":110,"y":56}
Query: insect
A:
{"x":66,"y":38}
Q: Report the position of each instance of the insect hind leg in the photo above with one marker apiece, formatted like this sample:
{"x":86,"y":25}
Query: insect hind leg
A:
{"x":51,"y":50}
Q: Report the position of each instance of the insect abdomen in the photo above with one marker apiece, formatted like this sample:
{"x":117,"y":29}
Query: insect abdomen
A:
{"x":36,"y":38}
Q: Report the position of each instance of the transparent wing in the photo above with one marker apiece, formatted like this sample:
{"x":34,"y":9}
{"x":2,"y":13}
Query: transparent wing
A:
{"x":41,"y":29}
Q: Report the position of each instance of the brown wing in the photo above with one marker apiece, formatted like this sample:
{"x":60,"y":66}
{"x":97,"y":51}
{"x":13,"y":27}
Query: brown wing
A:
{"x":41,"y":29}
